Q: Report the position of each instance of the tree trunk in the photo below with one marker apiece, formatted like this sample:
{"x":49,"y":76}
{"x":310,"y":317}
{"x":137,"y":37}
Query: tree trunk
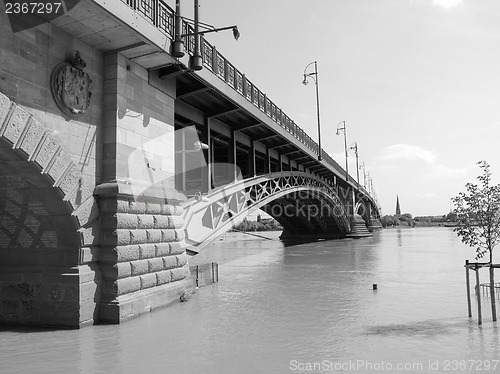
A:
{"x":492,"y":292}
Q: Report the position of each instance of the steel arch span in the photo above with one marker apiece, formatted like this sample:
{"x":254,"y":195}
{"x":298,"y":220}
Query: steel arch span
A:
{"x":304,"y":204}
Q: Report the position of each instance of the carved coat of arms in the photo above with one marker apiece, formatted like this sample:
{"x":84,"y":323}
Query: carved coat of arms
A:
{"x":72,"y":87}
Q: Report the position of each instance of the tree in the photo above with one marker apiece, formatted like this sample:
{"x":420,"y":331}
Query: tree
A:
{"x":478,"y":216}
{"x":389,"y":221}
{"x":452,"y":217}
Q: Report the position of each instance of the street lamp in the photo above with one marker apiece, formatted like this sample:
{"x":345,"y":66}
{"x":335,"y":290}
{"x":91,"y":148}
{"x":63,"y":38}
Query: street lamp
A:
{"x":196,"y":60}
{"x":198,"y":146}
{"x":305,"y":82}
{"x":343,"y":128}
{"x":368,"y":183}
{"x":364,"y":173}
{"x":355,"y":147}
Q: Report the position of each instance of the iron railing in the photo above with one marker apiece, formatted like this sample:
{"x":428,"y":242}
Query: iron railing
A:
{"x":155,"y":11}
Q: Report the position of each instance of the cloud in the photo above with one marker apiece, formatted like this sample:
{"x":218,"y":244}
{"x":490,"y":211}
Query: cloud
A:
{"x":446,"y":4}
{"x":424,"y":162}
{"x":408,"y":152}
{"x":441,"y":171}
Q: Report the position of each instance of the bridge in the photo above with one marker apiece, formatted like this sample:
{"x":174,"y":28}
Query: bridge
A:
{"x":121,"y":154}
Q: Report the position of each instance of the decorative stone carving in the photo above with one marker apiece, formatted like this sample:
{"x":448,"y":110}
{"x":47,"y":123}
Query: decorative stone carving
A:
{"x":71,"y":86}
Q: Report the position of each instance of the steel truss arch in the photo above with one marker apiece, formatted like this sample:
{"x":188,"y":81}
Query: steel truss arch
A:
{"x":205,"y":219}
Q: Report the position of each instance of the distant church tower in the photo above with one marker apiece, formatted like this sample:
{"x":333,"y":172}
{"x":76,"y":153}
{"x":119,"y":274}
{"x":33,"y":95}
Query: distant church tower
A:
{"x":398,"y":208}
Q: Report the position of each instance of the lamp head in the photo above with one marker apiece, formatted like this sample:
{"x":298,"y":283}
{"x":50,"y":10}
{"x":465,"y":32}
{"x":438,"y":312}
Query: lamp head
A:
{"x":236,"y":33}
{"x":199,"y":198}
{"x":199,"y":145}
{"x":178,"y":48}
{"x":305,"y":81}
{"x":196,"y":62}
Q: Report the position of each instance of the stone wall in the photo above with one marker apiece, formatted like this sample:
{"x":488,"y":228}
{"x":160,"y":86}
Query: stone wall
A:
{"x":143,"y":261}
{"x":45,"y":211}
{"x":49,"y":166}
{"x":27,"y":59}
{"x":89,"y":216}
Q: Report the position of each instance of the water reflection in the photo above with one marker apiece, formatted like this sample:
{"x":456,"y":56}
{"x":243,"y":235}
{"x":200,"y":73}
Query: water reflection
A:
{"x":424,"y":328}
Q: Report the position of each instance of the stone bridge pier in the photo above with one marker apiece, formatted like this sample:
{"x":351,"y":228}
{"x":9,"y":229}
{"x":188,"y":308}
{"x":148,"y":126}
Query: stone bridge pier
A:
{"x":90,"y":221}
{"x":142,"y":257}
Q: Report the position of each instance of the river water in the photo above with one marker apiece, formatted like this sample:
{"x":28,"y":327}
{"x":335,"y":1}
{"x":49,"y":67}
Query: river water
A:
{"x":307,"y":308}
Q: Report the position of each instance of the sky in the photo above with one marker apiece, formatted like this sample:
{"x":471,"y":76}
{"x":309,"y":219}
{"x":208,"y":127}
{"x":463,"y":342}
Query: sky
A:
{"x":417,"y":82}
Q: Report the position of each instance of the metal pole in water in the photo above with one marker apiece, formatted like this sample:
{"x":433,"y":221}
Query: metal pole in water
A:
{"x":467,"y":278}
{"x":197,"y":275}
{"x":479,"y":317}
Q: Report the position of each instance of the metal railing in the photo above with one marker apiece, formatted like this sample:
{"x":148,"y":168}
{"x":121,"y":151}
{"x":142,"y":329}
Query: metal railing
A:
{"x":155,"y":11}
{"x":162,"y":16}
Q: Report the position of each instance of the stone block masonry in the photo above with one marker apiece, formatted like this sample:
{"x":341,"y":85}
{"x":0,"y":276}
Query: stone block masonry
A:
{"x":142,"y":255}
{"x":49,"y":165}
{"x":90,"y":228}
{"x":143,"y":262}
{"x":42,"y":224}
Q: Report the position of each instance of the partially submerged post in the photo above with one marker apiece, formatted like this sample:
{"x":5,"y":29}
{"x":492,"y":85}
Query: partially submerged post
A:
{"x":467,"y":279}
{"x":476,"y":266}
{"x":479,"y":317}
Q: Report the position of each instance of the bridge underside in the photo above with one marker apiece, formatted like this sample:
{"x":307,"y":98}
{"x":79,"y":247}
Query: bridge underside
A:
{"x":307,"y":218}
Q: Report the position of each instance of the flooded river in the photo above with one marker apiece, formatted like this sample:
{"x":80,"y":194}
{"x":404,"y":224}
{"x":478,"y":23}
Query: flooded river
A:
{"x":307,"y":308}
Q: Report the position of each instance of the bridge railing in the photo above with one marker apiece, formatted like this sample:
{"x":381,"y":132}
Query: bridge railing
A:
{"x":157,"y":12}
{"x":162,"y":17}
{"x":214,"y":61}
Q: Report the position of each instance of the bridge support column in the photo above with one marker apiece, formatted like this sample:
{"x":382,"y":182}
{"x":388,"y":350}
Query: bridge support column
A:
{"x":143,"y":259}
{"x":360,"y":219}
{"x":251,"y":162}
{"x":367,"y":214}
{"x":233,"y":156}
{"x":210,"y":158}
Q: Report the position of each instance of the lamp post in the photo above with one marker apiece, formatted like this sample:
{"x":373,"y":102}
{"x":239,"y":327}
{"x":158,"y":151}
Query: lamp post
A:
{"x":368,"y":184}
{"x":355,"y":148}
{"x":196,"y":60}
{"x":314,"y":75}
{"x":343,"y":128}
{"x":364,"y":173}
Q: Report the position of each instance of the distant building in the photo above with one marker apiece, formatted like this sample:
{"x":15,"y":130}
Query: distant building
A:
{"x":398,"y":208}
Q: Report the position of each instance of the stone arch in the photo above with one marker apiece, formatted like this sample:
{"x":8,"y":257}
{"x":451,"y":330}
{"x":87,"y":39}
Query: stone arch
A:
{"x":314,"y":216}
{"x":46,"y":211}
{"x":362,"y":209}
{"x":36,"y":226}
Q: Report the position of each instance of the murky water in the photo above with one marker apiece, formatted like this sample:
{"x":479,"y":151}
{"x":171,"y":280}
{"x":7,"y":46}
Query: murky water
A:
{"x":305,"y":308}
